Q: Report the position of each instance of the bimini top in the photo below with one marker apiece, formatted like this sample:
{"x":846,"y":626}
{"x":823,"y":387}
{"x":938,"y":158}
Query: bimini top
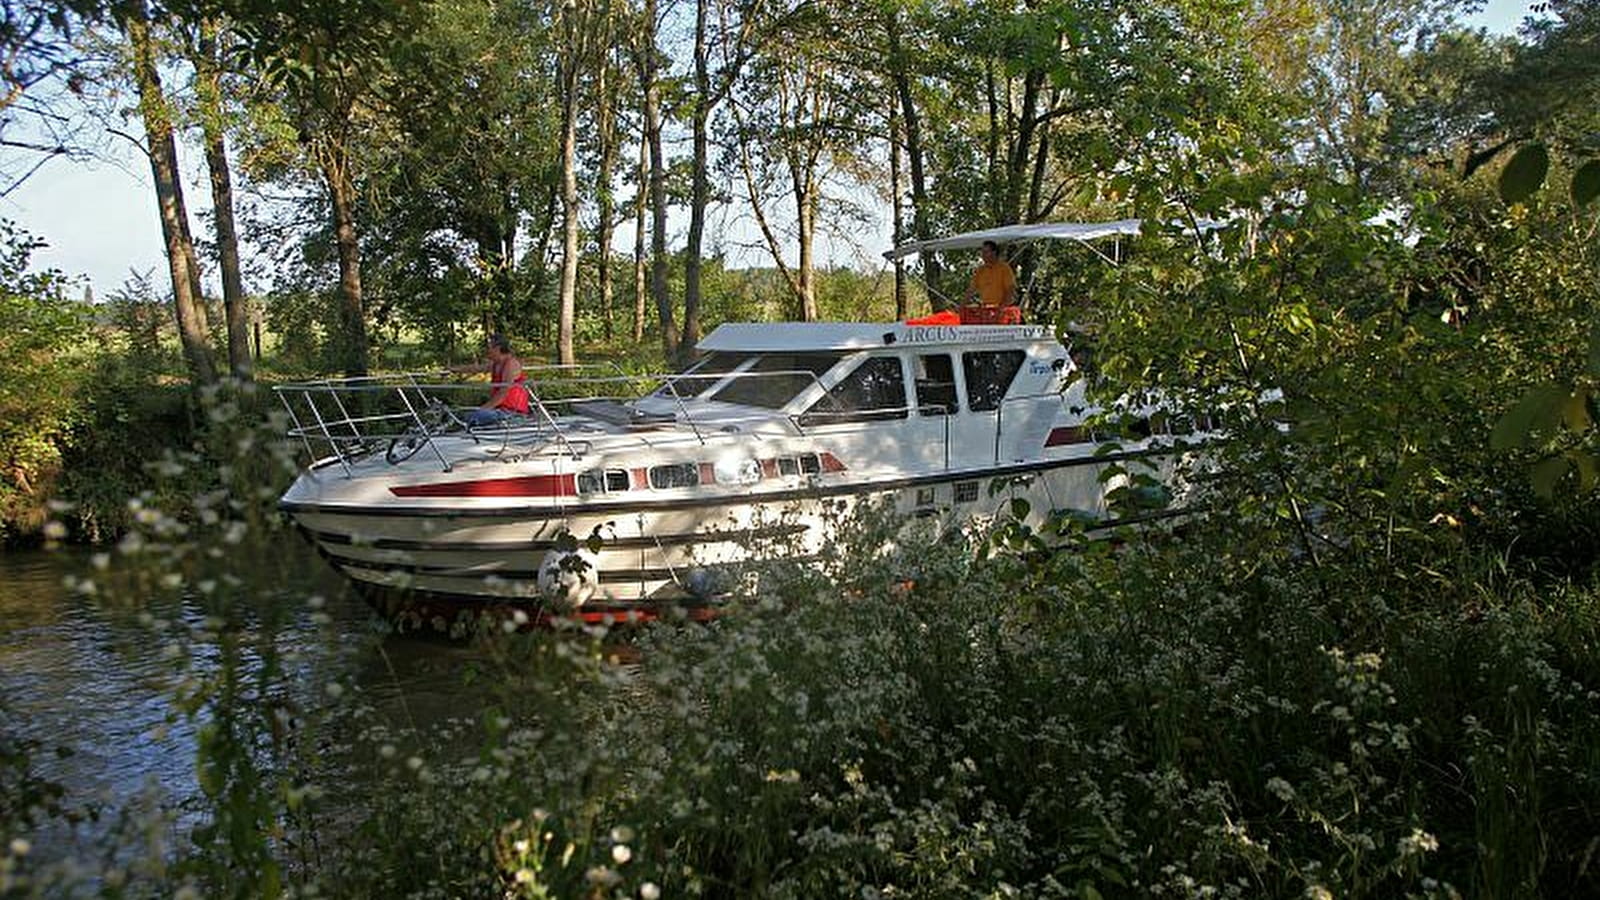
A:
{"x":789,"y":336}
{"x":1012,"y":234}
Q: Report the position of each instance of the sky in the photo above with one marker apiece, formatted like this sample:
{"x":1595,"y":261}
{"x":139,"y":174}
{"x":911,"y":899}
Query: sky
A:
{"x":99,"y":221}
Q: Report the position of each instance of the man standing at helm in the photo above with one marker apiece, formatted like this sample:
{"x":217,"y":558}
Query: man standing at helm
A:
{"x":993,"y":282}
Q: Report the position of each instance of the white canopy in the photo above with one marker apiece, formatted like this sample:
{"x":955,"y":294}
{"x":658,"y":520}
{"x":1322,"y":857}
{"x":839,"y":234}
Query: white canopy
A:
{"x":1011,"y":234}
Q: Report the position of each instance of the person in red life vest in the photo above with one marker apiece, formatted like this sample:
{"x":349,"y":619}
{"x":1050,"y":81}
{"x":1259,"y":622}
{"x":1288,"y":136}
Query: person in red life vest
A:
{"x":508,"y":394}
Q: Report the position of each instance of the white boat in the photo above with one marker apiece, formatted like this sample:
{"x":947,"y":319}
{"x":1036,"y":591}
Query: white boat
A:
{"x":600,"y":506}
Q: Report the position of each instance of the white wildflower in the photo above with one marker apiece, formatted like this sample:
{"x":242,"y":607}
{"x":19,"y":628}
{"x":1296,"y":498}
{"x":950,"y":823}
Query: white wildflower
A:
{"x":1417,"y":843}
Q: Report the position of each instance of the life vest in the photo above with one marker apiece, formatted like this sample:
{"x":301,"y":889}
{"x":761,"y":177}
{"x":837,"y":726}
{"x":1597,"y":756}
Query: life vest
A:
{"x":517,"y":396}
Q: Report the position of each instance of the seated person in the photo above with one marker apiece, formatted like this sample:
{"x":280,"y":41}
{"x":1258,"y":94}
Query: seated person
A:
{"x":508,"y":395}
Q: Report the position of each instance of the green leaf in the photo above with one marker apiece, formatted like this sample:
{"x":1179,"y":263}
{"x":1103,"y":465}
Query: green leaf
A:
{"x":1538,"y":411}
{"x":1585,"y":464}
{"x":1586,"y":183}
{"x":1545,"y":475}
{"x":1019,"y":508}
{"x":1524,"y":173}
{"x":1575,"y":411}
{"x":1594,"y":350}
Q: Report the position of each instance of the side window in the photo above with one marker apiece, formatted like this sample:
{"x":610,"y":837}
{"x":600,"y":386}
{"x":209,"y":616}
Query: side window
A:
{"x":598,"y":481}
{"x":675,"y":475}
{"x":759,"y":386}
{"x":875,"y":390}
{"x":935,"y":379}
{"x":989,"y":375}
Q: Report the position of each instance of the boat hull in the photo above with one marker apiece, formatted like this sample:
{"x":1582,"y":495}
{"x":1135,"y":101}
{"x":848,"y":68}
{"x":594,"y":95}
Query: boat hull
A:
{"x":651,"y":556}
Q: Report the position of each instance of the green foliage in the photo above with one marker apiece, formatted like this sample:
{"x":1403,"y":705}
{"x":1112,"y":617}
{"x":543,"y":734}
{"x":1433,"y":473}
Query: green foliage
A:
{"x":1586,"y":183}
{"x":1524,"y":173}
{"x":1182,"y":712}
{"x":43,"y":336}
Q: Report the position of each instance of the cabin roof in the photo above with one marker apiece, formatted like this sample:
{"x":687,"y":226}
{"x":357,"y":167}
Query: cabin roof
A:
{"x":791,"y":336}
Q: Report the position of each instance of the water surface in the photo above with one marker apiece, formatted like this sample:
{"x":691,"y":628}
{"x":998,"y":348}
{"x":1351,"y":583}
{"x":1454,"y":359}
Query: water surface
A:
{"x":92,"y":685}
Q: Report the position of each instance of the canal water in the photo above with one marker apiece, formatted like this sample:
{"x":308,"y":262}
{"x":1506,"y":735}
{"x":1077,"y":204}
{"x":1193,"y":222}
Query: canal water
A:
{"x":91,"y":687}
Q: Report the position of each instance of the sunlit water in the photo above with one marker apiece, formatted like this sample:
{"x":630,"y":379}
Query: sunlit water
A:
{"x":90,"y":681}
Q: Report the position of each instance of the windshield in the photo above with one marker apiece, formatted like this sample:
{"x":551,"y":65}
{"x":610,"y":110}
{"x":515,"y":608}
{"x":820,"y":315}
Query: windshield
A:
{"x":701,"y":376}
{"x":775,"y":379}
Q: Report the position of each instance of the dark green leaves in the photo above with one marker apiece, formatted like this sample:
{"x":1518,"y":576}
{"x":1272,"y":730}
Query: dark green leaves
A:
{"x":1586,"y":183}
{"x":1525,"y":173}
{"x":1537,"y":414}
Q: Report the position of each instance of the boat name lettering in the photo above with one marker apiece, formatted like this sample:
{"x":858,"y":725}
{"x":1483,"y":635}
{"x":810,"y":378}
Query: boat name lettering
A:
{"x":937,"y":334}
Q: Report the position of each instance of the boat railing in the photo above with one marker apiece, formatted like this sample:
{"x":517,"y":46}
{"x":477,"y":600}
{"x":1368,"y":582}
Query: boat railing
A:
{"x":342,"y":420}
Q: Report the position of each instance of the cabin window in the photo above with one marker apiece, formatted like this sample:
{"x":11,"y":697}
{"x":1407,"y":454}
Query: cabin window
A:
{"x":775,"y":379}
{"x":935,"y":380}
{"x":989,"y":376}
{"x":675,"y":475}
{"x":600,"y":481}
{"x":966,"y":492}
{"x":701,"y":376}
{"x":807,"y":464}
{"x":876,"y":390}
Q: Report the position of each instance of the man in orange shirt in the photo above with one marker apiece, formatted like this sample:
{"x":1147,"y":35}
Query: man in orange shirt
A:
{"x":993,"y":283}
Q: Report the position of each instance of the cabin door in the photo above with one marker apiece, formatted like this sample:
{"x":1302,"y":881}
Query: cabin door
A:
{"x":975,"y":432}
{"x":935,"y":408}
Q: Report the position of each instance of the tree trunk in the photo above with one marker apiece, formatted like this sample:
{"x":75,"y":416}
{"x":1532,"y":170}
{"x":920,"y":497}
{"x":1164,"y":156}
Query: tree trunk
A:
{"x":639,"y":289}
{"x":208,"y":88}
{"x":566,"y":352}
{"x":1018,"y":158}
{"x":700,"y":188}
{"x":897,"y":205}
{"x":920,"y":221}
{"x":187,"y":302}
{"x":605,"y":134}
{"x":808,"y":268}
{"x":651,"y":89}
{"x":335,"y":159}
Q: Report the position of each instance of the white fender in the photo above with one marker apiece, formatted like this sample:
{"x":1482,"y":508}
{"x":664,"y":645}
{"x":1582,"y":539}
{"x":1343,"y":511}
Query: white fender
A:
{"x":569,"y":578}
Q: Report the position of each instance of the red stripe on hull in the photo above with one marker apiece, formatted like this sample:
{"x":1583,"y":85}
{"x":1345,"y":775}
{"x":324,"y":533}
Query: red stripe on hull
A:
{"x":522,"y":486}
